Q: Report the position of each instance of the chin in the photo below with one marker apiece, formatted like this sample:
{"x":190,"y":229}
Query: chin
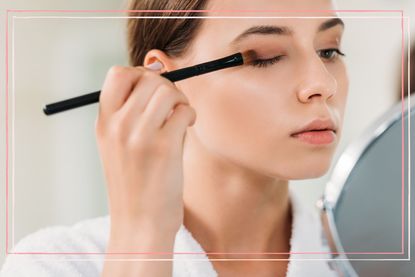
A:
{"x":311,"y":171}
{"x":302,"y":170}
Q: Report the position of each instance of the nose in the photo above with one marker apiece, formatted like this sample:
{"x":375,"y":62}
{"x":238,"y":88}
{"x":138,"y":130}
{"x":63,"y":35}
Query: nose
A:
{"x":316,"y":82}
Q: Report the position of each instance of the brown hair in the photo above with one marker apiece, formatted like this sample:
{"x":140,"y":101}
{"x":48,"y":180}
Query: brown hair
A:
{"x":411,"y":70}
{"x":411,"y":76}
{"x":171,"y":35}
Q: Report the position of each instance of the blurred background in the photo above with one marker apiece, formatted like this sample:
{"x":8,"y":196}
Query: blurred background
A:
{"x":56,"y":176}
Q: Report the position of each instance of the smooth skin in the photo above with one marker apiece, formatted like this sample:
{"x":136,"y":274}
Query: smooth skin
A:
{"x":224,"y":173}
{"x":141,"y":150}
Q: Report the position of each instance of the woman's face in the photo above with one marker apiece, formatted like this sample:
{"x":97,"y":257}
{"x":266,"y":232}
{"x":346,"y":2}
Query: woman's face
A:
{"x":247,"y":114}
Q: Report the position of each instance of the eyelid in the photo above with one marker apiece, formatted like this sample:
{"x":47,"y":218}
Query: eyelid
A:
{"x":261,"y":62}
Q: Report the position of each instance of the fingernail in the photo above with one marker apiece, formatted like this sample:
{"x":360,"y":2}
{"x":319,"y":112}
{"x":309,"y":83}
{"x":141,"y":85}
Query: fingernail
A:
{"x":155,"y":66}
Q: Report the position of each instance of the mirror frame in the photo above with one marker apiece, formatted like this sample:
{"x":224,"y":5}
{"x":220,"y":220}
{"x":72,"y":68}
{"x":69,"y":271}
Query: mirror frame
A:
{"x":337,"y":182}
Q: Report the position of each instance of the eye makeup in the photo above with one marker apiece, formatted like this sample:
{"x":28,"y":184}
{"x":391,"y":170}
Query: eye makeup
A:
{"x":266,"y":62}
{"x":267,"y":55}
{"x":328,"y":54}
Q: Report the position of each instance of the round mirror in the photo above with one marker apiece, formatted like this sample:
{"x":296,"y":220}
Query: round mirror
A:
{"x":364,"y":209}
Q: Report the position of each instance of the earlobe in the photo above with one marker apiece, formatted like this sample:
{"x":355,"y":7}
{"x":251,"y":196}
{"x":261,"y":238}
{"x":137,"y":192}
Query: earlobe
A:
{"x":155,"y":55}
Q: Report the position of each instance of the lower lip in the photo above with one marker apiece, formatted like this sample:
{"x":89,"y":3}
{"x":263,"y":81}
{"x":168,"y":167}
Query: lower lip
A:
{"x":316,"y":137}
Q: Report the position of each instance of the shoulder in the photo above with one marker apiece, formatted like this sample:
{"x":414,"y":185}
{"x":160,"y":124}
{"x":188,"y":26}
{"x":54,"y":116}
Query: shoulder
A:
{"x":60,"y":249}
{"x":89,"y":234}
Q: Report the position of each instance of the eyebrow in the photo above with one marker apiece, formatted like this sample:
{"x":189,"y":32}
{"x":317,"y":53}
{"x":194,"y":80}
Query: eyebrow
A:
{"x":283,"y":30}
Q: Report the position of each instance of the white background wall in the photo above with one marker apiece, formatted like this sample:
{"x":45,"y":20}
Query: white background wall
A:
{"x":58,"y":176}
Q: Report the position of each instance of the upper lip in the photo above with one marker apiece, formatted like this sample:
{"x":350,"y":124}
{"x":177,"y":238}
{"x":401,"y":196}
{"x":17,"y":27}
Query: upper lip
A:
{"x":318,"y":124}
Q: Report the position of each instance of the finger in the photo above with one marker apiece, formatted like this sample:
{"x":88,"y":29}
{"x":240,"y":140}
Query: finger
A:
{"x":117,"y":86}
{"x":142,"y":93}
{"x":182,"y":117}
{"x":164,"y":99}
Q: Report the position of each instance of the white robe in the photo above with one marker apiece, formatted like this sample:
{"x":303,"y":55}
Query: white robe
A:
{"x":91,"y":236}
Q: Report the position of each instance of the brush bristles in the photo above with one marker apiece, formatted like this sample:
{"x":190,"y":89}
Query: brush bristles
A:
{"x":249,"y":56}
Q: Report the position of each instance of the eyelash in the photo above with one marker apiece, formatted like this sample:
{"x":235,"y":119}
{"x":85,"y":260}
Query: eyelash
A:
{"x":271,"y":61}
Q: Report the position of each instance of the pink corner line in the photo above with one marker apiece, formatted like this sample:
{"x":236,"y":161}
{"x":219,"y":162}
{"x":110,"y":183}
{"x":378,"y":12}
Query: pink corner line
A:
{"x":201,"y":11}
{"x":199,"y":253}
{"x":178,"y":11}
{"x":403,"y":140}
{"x":7,"y":134}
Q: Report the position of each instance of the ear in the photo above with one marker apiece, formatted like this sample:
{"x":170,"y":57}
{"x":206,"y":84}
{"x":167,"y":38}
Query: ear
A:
{"x":155,"y":55}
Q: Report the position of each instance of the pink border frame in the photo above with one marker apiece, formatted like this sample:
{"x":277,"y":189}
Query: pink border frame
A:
{"x":196,"y":11}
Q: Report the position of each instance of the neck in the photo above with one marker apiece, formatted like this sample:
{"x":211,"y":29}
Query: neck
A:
{"x":229,"y":208}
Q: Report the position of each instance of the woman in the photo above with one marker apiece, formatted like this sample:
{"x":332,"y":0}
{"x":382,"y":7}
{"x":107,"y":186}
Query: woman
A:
{"x":204,"y":164}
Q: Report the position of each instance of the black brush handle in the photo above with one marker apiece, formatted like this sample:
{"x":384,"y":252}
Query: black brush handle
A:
{"x":173,"y":76}
{"x":72,"y":103}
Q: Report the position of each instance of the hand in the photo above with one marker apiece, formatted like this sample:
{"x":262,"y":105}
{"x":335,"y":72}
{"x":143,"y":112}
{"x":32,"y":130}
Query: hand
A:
{"x":140,"y":131}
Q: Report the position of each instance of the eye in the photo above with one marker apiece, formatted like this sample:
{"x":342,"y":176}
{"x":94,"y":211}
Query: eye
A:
{"x":327,"y":54}
{"x":265,"y":62}
{"x":330,"y":54}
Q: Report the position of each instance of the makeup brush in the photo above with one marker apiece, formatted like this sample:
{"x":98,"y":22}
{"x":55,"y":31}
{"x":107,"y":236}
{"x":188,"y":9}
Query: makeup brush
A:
{"x":240,"y":58}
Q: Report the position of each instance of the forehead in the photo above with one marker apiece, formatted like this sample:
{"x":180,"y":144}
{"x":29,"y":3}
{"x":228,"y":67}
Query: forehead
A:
{"x":216,"y":34}
{"x":285,"y":7}
{"x":225,"y":32}
{"x":265,"y":12}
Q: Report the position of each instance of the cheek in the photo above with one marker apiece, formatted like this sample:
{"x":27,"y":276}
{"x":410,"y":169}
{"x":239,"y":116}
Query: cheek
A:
{"x":246,"y":122}
{"x":249,"y":122}
{"x":340,"y":99}
{"x":344,"y":87}
{"x":238,"y":112}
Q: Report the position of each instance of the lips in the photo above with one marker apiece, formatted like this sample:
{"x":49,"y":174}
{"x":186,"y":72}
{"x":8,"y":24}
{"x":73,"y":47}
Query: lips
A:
{"x":317,"y":132}
{"x":317,"y":125}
